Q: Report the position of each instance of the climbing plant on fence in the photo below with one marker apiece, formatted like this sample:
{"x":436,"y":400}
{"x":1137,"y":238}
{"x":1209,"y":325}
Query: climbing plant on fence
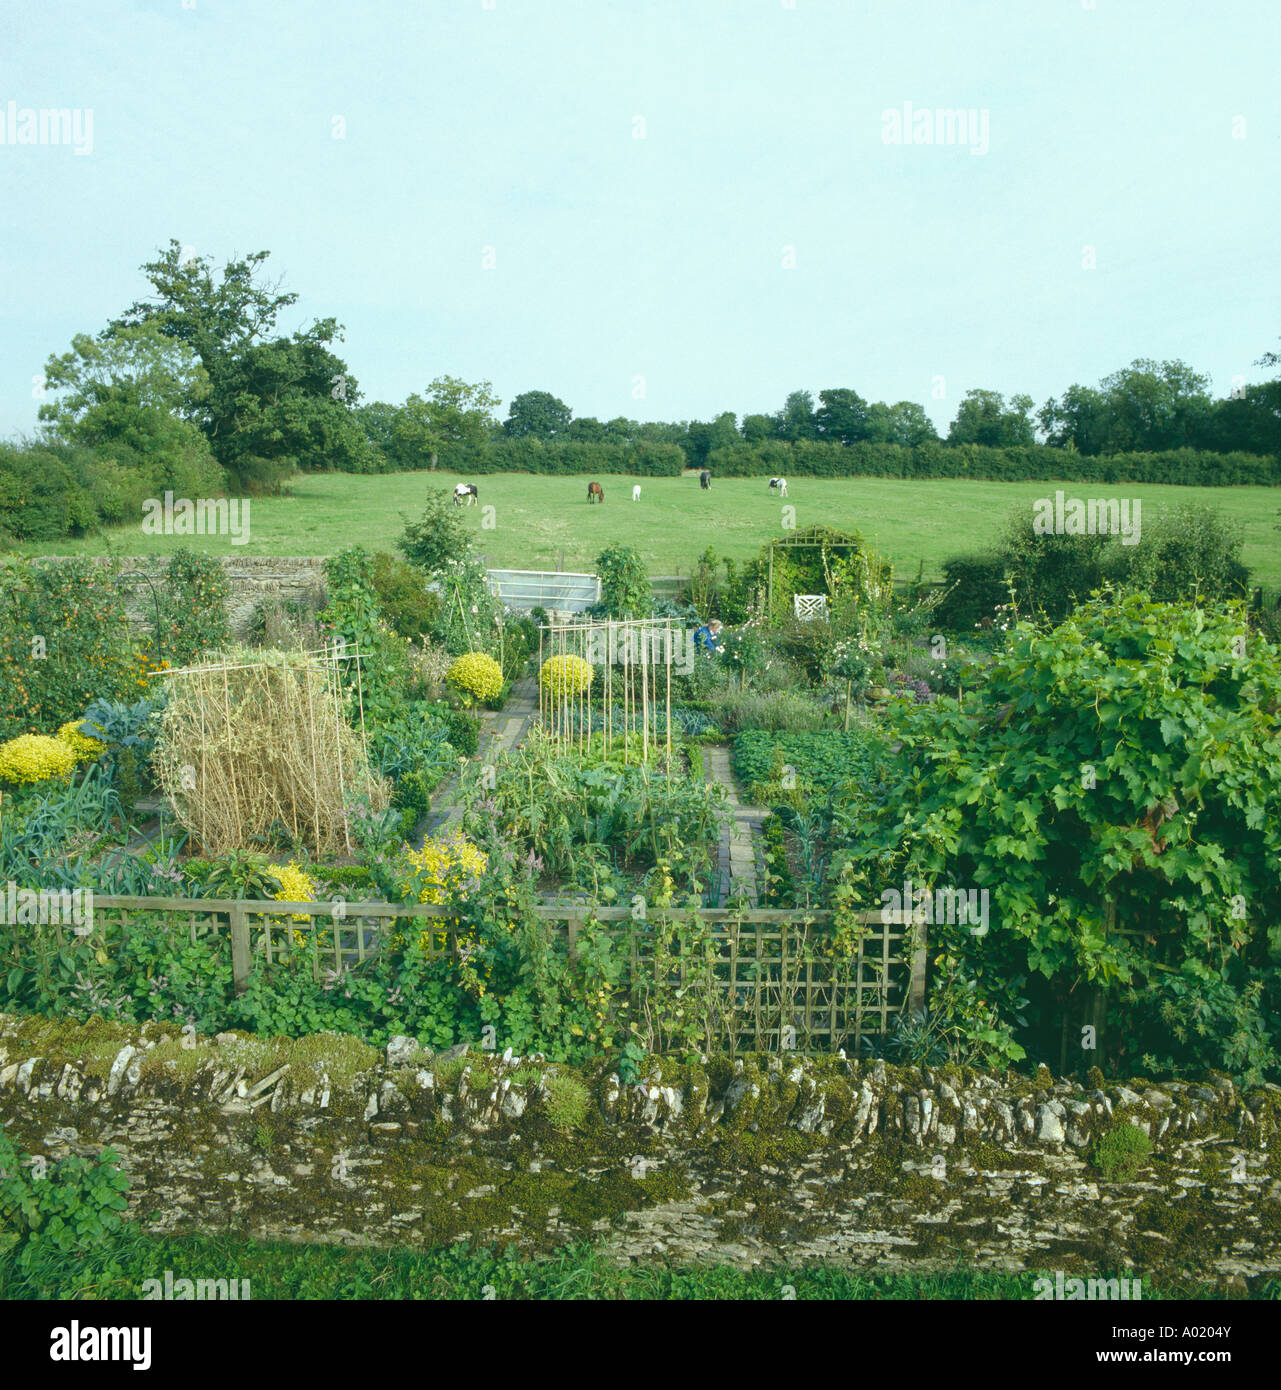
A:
{"x":1115,"y":786}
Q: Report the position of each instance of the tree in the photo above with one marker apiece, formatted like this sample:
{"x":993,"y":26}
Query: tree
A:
{"x":984,"y":418}
{"x":796,"y":419}
{"x":1154,"y":405}
{"x":437,"y":537}
{"x":589,"y":430}
{"x":273,"y":404}
{"x":841,"y":416}
{"x":1078,"y":420}
{"x":537,"y":415}
{"x":904,"y":423}
{"x":702,"y":439}
{"x":756,"y":428}
{"x":448,"y":427}
{"x":131,"y":386}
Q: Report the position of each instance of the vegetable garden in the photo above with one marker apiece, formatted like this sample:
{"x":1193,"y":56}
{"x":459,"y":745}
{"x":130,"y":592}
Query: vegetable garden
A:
{"x":1101,"y":774}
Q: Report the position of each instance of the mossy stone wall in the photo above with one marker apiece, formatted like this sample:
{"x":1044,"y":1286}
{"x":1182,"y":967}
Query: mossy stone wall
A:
{"x":753,"y":1161}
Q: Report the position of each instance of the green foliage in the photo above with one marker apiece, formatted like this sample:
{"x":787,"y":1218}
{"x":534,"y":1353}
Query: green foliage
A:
{"x":624,"y":583}
{"x":735,"y":709}
{"x":565,"y":810}
{"x":71,"y":1207}
{"x":438,"y":537}
{"x":817,"y":762}
{"x":354,"y":617}
{"x":64,"y":641}
{"x":565,"y":1101}
{"x":1187,"y":552}
{"x":1122,"y":769}
{"x":818,"y":458}
{"x":406,"y":603}
{"x":1121,"y":1152}
{"x":290,"y":1272}
{"x":267,"y":405}
{"x":193,"y":607}
{"x":239,"y":874}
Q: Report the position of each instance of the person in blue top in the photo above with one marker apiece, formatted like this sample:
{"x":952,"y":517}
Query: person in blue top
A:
{"x":708,"y":636}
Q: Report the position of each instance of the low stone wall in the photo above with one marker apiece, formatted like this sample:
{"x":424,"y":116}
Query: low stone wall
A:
{"x":759,"y":1160}
{"x":253,"y":578}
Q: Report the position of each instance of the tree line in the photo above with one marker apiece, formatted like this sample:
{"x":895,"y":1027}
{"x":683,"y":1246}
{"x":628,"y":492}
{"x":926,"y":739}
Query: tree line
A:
{"x":197,"y":380}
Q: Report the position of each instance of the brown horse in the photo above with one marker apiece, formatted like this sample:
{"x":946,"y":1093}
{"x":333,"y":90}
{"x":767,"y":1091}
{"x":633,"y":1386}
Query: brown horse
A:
{"x":595,"y":493}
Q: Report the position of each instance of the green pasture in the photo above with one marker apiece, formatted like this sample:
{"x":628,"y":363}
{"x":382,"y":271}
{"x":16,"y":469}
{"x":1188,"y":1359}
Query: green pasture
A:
{"x":542,"y":521}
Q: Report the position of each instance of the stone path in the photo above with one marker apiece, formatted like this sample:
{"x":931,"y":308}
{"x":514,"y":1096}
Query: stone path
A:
{"x":737,"y":855}
{"x":500,"y":731}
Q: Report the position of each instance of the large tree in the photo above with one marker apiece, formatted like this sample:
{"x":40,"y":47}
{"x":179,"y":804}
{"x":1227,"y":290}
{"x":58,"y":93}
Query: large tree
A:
{"x":447,"y":427}
{"x":841,"y":415}
{"x":130,"y":386}
{"x":537,"y":415}
{"x":984,"y":418}
{"x":273,"y":403}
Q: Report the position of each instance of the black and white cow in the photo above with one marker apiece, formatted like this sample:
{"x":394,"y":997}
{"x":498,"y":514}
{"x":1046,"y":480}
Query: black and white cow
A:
{"x":465,"y":492}
{"x":705,"y":479}
{"x":778,"y":485}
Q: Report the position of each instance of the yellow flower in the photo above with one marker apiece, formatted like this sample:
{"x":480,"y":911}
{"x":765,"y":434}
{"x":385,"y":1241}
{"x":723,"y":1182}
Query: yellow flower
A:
{"x":435,"y":870}
{"x":295,"y":887}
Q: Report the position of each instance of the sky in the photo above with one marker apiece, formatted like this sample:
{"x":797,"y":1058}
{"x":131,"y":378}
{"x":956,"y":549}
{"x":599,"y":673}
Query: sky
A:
{"x":664,"y":209}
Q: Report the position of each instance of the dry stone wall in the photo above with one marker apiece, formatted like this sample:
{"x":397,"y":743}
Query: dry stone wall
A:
{"x":753,"y":1161}
{"x":253,"y":579}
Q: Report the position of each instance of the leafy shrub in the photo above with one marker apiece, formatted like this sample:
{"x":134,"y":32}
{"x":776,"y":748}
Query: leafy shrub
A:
{"x":71,"y":1207}
{"x":64,"y":640}
{"x":735,"y":709}
{"x":193,"y":606}
{"x":32,"y":758}
{"x":296,"y":886}
{"x":84,"y":747}
{"x":476,"y":675}
{"x":437,"y":537}
{"x":566,"y":676}
{"x":976,"y":587}
{"x":1123,"y":768}
{"x":624,"y":583}
{"x":406,"y":603}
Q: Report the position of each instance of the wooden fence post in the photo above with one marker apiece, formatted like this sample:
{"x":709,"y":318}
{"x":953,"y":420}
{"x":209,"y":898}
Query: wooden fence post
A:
{"x":239,"y":923}
{"x":916,"y":990}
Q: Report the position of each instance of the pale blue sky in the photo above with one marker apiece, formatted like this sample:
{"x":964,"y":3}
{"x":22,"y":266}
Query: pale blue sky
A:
{"x":512,"y":127}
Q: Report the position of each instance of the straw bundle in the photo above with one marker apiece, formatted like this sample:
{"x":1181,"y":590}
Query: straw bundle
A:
{"x":258,"y":740}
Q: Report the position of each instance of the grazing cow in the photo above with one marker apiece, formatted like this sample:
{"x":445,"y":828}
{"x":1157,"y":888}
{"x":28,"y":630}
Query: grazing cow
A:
{"x":465,"y":491}
{"x":636,"y":492}
{"x":595,"y":493}
{"x":704,"y":480}
{"x":778,"y":485}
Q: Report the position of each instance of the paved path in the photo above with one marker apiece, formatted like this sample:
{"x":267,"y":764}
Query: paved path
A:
{"x":500,"y":731}
{"x":737,"y":857}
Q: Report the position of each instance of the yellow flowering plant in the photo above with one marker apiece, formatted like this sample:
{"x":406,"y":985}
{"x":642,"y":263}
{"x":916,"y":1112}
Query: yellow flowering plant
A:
{"x":32,"y":758}
{"x":439,"y":868}
{"x":476,"y":676}
{"x":296,"y":886}
{"x":566,"y":675}
{"x":84,"y":747}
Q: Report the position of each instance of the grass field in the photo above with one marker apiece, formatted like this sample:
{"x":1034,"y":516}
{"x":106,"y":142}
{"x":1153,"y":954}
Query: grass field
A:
{"x":540,"y":522}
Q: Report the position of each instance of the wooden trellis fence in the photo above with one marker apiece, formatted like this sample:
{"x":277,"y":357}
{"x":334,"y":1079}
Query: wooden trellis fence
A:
{"x":768,"y":978}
